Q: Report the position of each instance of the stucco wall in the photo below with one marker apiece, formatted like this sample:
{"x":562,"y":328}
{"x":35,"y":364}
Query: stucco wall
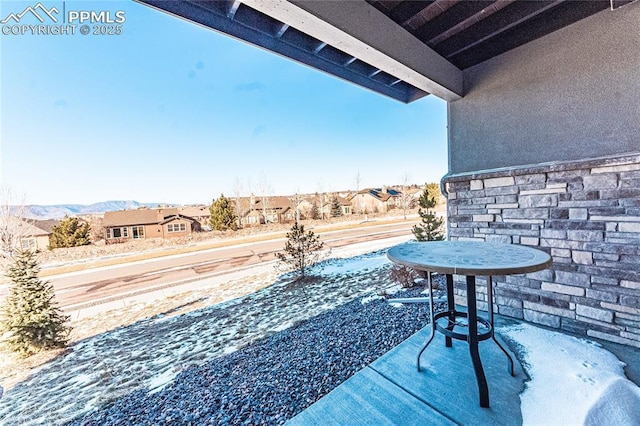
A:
{"x":571,"y":95}
{"x":42,"y":242}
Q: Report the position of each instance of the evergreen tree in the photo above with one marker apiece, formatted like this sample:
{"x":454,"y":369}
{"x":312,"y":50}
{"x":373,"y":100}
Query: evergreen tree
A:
{"x":29,"y":316}
{"x":430,"y":228}
{"x":70,"y":233}
{"x":315,"y":211}
{"x":336,"y":208}
{"x":223,"y":217}
{"x":301,"y":251}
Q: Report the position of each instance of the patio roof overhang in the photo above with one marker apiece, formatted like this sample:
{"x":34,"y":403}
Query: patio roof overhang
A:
{"x":401,"y":49}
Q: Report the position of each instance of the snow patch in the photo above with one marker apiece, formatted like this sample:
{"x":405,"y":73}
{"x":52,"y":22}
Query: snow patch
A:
{"x":369,"y":299}
{"x":229,"y":349}
{"x":159,"y":381}
{"x":568,"y":375}
{"x":356,"y":265}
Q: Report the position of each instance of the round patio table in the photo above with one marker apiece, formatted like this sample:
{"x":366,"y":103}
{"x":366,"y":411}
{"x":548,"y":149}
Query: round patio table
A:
{"x":469,"y":258}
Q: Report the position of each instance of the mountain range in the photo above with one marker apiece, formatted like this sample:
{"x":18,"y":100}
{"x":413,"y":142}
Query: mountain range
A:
{"x":59,"y":211}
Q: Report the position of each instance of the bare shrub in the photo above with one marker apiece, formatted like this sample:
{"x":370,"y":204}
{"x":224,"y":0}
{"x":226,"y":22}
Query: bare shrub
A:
{"x":404,"y":275}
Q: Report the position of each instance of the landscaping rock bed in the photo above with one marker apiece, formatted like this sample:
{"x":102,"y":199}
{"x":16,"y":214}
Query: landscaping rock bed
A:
{"x":275,"y":378}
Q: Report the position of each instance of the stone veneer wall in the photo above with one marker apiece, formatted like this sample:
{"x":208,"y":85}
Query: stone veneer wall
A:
{"x":586,"y":215}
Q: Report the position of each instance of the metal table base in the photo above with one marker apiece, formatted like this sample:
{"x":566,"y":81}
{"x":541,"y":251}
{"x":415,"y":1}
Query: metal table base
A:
{"x":473,"y":335}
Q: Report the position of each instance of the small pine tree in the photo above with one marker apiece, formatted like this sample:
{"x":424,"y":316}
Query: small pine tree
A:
{"x":336,"y":208}
{"x":301,"y":251}
{"x":29,"y":316}
{"x":70,"y":233}
{"x":430,"y":228}
{"x":223,"y":217}
{"x":315,"y":211}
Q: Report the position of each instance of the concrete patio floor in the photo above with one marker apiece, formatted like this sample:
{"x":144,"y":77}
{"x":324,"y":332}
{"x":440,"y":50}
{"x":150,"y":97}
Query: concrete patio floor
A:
{"x":391,"y":391}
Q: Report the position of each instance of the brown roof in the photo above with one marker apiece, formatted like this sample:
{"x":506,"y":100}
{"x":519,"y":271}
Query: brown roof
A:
{"x":274,"y":202}
{"x":194,"y":211}
{"x":413,"y":191}
{"x":176,"y":217}
{"x":279,"y":202}
{"x":343,"y":201}
{"x":137,"y":217}
{"x":28,"y":229}
{"x":46,"y":225}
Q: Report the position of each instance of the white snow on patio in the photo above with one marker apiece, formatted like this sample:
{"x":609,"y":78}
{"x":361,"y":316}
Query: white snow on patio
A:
{"x":569,"y":377}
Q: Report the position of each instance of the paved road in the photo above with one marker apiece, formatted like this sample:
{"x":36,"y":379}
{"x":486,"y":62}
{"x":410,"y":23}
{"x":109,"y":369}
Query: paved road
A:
{"x":102,"y":284}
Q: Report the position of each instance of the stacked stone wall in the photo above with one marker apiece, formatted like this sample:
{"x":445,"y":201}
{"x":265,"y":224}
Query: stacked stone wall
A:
{"x":586,"y":215}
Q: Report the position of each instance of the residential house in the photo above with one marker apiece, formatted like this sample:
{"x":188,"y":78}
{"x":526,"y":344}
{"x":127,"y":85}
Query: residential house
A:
{"x":376,"y":200}
{"x":413,"y":194}
{"x":201,"y":213}
{"x":252,"y":218}
{"x":279,"y":209}
{"x":320,"y":200}
{"x":327,"y":208}
{"x":272,"y":209}
{"x":34,"y":234}
{"x":305,"y":205}
{"x":147,"y":223}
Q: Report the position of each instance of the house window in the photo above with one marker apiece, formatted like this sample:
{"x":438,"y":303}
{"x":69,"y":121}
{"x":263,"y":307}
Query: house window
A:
{"x":118,"y":232}
{"x":347,"y":210}
{"x":137,"y":232}
{"x":176,"y":227}
{"x":28,"y":243}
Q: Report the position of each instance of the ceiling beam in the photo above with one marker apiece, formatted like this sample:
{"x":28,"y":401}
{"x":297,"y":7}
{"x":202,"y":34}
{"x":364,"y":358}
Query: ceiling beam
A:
{"x":428,"y":13}
{"x":350,"y":61}
{"x":281,"y":30}
{"x":471,"y":21}
{"x":320,"y":46}
{"x":360,"y":30}
{"x":233,"y":8}
{"x":553,"y":17}
{"x":491,"y":26}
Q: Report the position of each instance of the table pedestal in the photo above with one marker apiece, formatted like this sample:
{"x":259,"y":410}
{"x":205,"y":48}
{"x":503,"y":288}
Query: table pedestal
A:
{"x":447,"y":323}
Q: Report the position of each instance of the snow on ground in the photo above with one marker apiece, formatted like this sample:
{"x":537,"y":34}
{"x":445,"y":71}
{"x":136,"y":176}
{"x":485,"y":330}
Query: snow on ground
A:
{"x":565,"y":371}
{"x":150,"y":353}
{"x":568,"y":376}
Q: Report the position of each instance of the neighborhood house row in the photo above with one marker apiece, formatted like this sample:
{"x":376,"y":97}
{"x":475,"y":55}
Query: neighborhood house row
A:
{"x":173,"y":222}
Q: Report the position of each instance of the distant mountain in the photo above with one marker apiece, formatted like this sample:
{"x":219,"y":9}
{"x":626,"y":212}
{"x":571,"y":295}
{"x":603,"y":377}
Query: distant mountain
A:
{"x":59,"y":211}
{"x":51,"y":212}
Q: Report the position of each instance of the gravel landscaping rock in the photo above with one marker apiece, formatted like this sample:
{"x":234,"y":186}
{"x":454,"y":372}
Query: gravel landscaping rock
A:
{"x":275,"y":378}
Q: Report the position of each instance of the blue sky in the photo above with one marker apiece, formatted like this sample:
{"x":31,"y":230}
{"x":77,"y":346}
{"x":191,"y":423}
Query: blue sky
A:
{"x":172,"y":112}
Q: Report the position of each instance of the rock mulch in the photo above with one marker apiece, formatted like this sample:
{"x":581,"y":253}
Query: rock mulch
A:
{"x":275,"y":378}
